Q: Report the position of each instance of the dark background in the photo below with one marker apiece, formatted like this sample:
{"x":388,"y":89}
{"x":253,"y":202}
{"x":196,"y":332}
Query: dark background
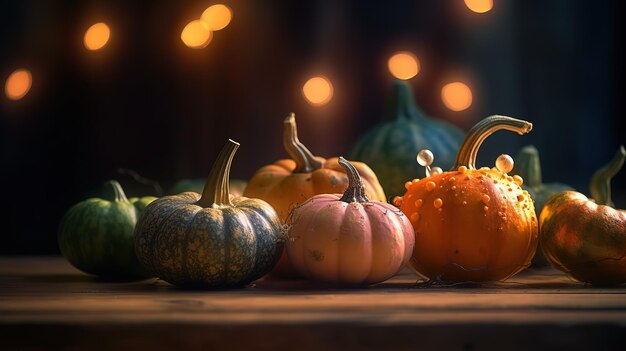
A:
{"x":149,"y":103}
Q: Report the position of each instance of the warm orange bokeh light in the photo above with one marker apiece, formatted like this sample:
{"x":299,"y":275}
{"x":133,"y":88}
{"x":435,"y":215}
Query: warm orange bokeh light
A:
{"x":403,"y":65}
{"x":216,"y":17}
{"x":456,"y":96}
{"x":318,"y":91}
{"x":479,"y":6}
{"x":196,"y":35}
{"x":97,"y":36}
{"x":18,"y":84}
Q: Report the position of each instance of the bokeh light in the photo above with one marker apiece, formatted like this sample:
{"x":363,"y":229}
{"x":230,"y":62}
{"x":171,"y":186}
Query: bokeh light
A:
{"x":456,"y":96}
{"x":479,"y":6}
{"x":403,"y":65}
{"x":97,"y":36}
{"x":216,"y":17}
{"x":318,"y":91}
{"x":196,"y":35}
{"x":18,"y":84}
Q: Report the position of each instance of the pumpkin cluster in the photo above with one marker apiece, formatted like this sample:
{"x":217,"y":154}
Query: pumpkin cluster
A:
{"x":327,"y":219}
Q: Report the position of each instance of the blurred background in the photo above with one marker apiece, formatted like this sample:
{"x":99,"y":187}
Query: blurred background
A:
{"x":144,"y":91}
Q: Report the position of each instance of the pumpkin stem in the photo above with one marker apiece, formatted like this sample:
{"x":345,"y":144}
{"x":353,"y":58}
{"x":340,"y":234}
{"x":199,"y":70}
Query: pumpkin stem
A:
{"x":528,"y":166}
{"x":403,"y":102}
{"x":355,"y":191}
{"x":475,"y":137}
{"x":305,"y":161}
{"x":113,"y":191}
{"x":600,"y":184}
{"x":216,"y":191}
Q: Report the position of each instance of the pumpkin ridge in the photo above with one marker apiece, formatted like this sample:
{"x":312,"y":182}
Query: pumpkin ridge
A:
{"x":186,"y":236}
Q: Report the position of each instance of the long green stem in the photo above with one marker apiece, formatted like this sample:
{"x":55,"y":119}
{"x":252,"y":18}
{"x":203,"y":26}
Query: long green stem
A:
{"x":216,"y":191}
{"x":355,"y":191}
{"x":483,"y":129}
{"x":305,"y":161}
{"x":114,"y":192}
{"x":528,"y":166}
{"x":600,"y":185}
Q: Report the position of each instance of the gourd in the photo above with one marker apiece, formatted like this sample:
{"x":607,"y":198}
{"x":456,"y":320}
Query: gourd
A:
{"x":236,"y":186}
{"x":289,"y":182}
{"x":585,"y":238}
{"x":347,"y":239}
{"x":471,"y":224}
{"x":528,"y":166}
{"x":390,"y":147}
{"x":96,"y":235}
{"x":213,"y":240}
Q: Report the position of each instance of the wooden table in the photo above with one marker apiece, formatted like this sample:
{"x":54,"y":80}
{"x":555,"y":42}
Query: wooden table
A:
{"x":45,"y":303}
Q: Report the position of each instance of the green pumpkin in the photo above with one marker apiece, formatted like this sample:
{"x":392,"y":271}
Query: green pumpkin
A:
{"x":390,"y":148}
{"x":213,"y":240}
{"x":96,"y":235}
{"x":528,"y":166}
{"x":196,"y":185}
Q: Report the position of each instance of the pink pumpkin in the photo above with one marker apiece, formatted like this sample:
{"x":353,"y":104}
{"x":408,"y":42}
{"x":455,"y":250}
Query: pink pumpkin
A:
{"x":349,"y":239}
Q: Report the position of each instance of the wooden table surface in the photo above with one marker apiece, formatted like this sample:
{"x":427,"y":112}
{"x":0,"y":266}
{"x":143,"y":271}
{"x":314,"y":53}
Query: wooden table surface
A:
{"x":45,"y":303}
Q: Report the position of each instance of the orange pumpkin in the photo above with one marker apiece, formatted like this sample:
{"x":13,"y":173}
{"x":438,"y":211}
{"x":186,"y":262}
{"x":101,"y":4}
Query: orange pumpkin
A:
{"x":472,"y":224}
{"x":347,"y":239}
{"x":289,"y":182}
{"x":587,"y":238}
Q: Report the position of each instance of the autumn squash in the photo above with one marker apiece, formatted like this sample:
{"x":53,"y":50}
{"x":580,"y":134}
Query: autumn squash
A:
{"x":390,"y":147}
{"x":347,"y":239}
{"x":528,"y":166}
{"x":471,"y":224}
{"x":585,"y":238}
{"x":236,"y":186}
{"x":213,"y":240}
{"x":96,"y":235}
{"x":289,"y":182}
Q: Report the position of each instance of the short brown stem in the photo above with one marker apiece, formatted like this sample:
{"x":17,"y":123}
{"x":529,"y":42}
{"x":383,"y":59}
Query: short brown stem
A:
{"x":475,"y":137}
{"x":305,"y":161}
{"x":355,"y":191}
{"x":216,"y":192}
{"x":600,"y":185}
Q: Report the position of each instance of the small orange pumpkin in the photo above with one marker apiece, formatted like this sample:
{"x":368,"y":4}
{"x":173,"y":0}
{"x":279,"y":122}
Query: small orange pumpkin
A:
{"x":472,"y":224}
{"x":349,"y":239}
{"x":587,"y":238}
{"x":289,"y":182}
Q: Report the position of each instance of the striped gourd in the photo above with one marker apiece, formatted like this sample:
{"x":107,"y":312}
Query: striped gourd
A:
{"x":390,"y":148}
{"x":96,"y":235}
{"x":209,"y":240}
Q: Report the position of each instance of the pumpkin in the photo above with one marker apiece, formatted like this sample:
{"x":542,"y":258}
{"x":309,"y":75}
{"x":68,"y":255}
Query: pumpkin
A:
{"x":96,"y":235}
{"x":236,"y":186}
{"x":390,"y":147}
{"x":472,"y":224}
{"x":289,"y":182}
{"x":347,"y":239}
{"x":528,"y":166}
{"x":585,"y":238}
{"x":213,"y":240}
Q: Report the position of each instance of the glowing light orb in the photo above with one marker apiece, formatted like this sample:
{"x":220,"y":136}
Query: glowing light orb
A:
{"x":216,"y":17}
{"x":196,"y":35}
{"x":456,"y":96}
{"x":479,"y":6}
{"x":403,"y":65}
{"x":18,"y":84}
{"x":97,"y":36}
{"x":318,"y":91}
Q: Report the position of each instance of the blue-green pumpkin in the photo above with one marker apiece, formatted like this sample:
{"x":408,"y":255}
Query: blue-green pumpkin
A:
{"x":390,"y":148}
{"x":528,"y":166}
{"x":96,"y":235}
{"x":213,"y":240}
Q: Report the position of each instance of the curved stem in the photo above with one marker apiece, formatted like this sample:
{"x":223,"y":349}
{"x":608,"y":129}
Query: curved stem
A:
{"x":216,"y":192}
{"x":480,"y":132}
{"x":355,"y":191}
{"x":528,"y":166}
{"x":305,"y":161}
{"x":600,"y":185}
{"x":114,"y":192}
